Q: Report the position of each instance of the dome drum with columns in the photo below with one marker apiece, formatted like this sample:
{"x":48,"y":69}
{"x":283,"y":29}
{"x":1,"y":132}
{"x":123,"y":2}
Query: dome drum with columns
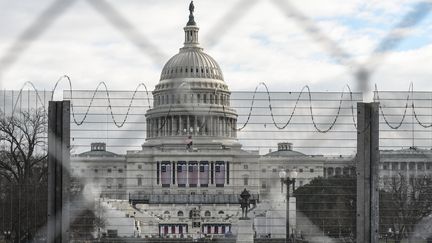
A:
{"x":191,"y":99}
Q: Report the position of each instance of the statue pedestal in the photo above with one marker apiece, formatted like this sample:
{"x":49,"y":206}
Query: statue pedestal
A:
{"x":245,"y":232}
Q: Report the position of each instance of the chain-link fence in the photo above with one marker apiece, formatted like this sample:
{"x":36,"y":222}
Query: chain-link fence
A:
{"x":153,"y":168}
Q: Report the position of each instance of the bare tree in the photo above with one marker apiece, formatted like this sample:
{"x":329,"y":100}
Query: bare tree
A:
{"x":22,"y":153}
{"x":23,"y":173}
{"x":404,"y":202}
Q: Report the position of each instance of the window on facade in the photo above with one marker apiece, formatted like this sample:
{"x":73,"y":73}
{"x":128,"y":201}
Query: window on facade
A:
{"x":245,"y":167}
{"x":109,"y":182}
{"x":311,"y":170}
{"x":207,"y":213}
{"x":263,"y":185}
{"x":345,"y":170}
{"x":95,"y":170}
{"x":120,"y":186}
{"x":263,"y":170}
{"x":180,"y":214}
{"x":109,"y":170}
{"x":274,"y":170}
{"x":412,"y":166}
{"x":301,"y":183}
{"x":139,"y":183}
{"x":139,"y":167}
{"x":420,"y":166}
{"x":120,"y":170}
{"x":245,"y":181}
{"x":300,"y":170}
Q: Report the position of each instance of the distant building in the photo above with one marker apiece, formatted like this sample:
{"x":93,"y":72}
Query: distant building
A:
{"x":103,"y":169}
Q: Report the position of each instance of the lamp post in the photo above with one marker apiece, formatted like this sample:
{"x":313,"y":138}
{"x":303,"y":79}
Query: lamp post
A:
{"x":388,"y":234}
{"x":7,"y":234}
{"x":287,"y":179}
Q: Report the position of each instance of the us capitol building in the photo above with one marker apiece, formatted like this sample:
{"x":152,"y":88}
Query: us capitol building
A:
{"x":191,"y":169}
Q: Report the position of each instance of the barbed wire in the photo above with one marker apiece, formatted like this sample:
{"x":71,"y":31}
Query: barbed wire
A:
{"x":101,"y":84}
{"x":409,"y":97}
{"x":306,"y":87}
{"x":409,"y":102}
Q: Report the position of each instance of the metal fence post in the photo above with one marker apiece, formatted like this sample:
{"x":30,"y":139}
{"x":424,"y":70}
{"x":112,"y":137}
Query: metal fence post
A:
{"x":58,"y":171}
{"x":367,"y":172}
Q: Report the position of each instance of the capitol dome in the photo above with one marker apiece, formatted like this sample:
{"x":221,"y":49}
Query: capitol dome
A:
{"x":191,"y":100}
{"x":191,"y":63}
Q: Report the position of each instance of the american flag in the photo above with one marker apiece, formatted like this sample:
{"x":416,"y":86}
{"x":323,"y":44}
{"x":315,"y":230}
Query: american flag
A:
{"x":193,"y":173}
{"x":204,"y":174}
{"x":181,"y":173}
{"x":166,"y":174}
{"x":220,"y":173}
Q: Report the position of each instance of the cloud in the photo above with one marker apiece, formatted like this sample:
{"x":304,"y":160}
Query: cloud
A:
{"x":262,"y":46}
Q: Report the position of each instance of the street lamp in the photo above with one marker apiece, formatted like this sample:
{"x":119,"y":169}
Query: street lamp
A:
{"x":287,"y":179}
{"x":388,"y":234}
{"x":7,"y":234}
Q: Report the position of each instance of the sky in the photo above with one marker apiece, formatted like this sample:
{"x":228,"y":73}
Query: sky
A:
{"x":252,"y":40}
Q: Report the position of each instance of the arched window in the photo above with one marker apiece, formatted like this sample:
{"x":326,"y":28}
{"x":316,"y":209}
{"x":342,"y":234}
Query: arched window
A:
{"x":346,"y":171}
{"x":245,"y":180}
{"x":166,"y":212}
{"x":180,"y":214}
{"x":221,"y":212}
{"x":207,"y":213}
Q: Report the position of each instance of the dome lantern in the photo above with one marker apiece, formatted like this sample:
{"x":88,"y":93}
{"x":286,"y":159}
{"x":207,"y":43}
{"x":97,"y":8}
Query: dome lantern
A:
{"x":191,"y":30}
